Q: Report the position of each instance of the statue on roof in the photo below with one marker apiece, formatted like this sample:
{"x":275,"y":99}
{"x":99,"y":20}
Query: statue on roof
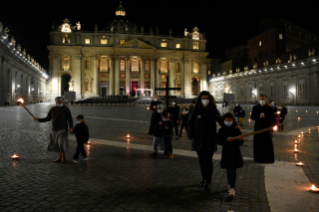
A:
{"x":24,"y":52}
{"x":78,"y":26}
{"x":13,"y":41}
{"x":96,"y":27}
{"x":186,"y":33}
{"x":1,"y":26}
{"x":6,"y":34}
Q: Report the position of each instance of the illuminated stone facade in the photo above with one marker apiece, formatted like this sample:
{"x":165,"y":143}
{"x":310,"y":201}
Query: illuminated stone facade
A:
{"x":20,"y":75}
{"x":120,"y":58}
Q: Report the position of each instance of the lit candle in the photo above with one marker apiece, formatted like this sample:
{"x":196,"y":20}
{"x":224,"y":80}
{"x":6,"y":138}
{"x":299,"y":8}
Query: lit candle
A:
{"x":278,"y":112}
{"x":148,"y":108}
{"x":296,"y":111}
{"x":296,"y":150}
{"x":313,"y":189}
{"x":275,"y":128}
{"x":306,"y":111}
{"x":15,"y":157}
{"x":309,"y":130}
{"x":128,"y":136}
{"x":249,"y":120}
{"x":317,"y":112}
{"x":128,"y":140}
{"x":300,"y":164}
{"x":298,"y":119}
{"x":89,"y":142}
{"x":250,"y":113}
{"x":296,"y":142}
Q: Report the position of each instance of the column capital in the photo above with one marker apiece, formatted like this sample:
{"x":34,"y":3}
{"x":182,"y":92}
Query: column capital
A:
{"x":77,"y":56}
{"x":56,"y":56}
{"x":93,"y":57}
{"x":186,"y":60}
{"x":173,"y":60}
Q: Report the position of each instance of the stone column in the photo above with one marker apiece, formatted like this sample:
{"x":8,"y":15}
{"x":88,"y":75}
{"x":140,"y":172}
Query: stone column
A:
{"x":157,"y":73}
{"x":152,"y":73}
{"x":95,"y":86}
{"x":127,"y":76}
{"x":142,"y":76}
{"x":117,"y":76}
{"x":1,"y":77}
{"x":77,"y":76}
{"x":56,"y":87}
{"x":111,"y":77}
{"x":171,"y":74}
{"x":28,"y":88}
{"x":203,"y":80}
{"x":187,"y":78}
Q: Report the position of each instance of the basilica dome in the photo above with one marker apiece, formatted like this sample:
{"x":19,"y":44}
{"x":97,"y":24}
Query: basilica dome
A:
{"x":120,"y":24}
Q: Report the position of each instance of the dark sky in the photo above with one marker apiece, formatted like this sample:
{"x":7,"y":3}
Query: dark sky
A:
{"x":226,"y":23}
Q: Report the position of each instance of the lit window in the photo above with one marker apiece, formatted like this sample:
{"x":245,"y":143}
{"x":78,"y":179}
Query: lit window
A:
{"x":280,"y":37}
{"x":178,"y":45}
{"x":195,"y":45}
{"x":122,"y":65}
{"x":87,"y":41}
{"x":122,"y":41}
{"x":66,"y":39}
{"x":103,"y":41}
{"x":259,"y":43}
{"x":163,"y":44}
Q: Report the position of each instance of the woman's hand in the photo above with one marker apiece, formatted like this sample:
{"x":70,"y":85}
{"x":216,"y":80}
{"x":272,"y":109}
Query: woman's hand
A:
{"x":229,"y":139}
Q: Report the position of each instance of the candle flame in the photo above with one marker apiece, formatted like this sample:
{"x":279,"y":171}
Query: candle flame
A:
{"x":20,"y":100}
{"x":278,"y":112}
{"x":313,"y":187}
{"x":296,"y":111}
{"x":296,"y":150}
{"x":128,"y":135}
{"x":275,"y":128}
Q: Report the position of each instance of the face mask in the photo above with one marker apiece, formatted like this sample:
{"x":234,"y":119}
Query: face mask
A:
{"x":164,"y":119}
{"x":205,"y":102}
{"x":272,"y":104}
{"x":228,"y":123}
{"x":173,"y":103}
{"x":155,"y":100}
{"x":262,"y":102}
{"x":236,"y":105}
{"x":59,"y":105}
{"x":78,"y":122}
{"x":184,"y":111}
{"x":160,"y":111}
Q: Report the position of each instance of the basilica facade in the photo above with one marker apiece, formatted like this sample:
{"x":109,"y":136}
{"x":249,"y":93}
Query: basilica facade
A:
{"x":21,"y":76}
{"x":123,"y":59}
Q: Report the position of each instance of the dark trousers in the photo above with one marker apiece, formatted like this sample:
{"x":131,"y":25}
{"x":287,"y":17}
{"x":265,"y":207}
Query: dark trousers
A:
{"x":176,"y":127}
{"x":206,"y":164}
{"x":168,"y":144}
{"x":80,"y":149}
{"x":151,"y":130}
{"x":231,"y":177}
{"x":186,"y":128}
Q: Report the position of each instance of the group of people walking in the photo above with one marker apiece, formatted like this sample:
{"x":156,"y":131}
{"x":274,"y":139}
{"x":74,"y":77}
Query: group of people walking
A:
{"x":200,"y":123}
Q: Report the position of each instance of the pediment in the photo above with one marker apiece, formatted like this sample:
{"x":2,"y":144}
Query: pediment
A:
{"x":135,"y":44}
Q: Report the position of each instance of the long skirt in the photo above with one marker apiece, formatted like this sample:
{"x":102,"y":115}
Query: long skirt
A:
{"x":158,"y":143}
{"x":59,"y":141}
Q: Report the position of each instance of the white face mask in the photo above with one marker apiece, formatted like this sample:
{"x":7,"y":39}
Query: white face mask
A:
{"x":155,"y":100}
{"x":173,"y":103}
{"x":228,"y":123}
{"x":59,"y":105}
{"x":262,"y":102}
{"x":205,"y":102}
{"x":272,"y":104}
{"x":78,"y":122}
{"x":160,"y":111}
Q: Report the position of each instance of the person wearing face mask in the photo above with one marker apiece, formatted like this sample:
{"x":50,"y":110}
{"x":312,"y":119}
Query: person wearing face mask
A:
{"x":184,"y":121}
{"x":174,"y":111}
{"x":231,"y":155}
{"x":191,"y":108}
{"x":158,"y":142}
{"x":82,"y":136}
{"x":264,"y":117}
{"x":61,"y":121}
{"x":153,"y":108}
{"x":202,"y":132}
{"x":239,"y":113}
{"x":283,"y":113}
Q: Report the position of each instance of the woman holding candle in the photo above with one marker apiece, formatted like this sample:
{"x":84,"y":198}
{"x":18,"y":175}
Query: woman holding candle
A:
{"x":61,"y":121}
{"x":202,"y":131}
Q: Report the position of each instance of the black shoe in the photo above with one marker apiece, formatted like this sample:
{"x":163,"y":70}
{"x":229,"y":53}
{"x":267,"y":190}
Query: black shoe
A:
{"x":208,"y":187}
{"x":154,"y":154}
{"x":202,"y":184}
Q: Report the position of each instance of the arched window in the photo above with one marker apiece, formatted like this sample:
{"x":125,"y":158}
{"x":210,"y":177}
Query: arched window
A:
{"x":134,"y":65}
{"x":104,"y":66}
{"x":147,"y":66}
{"x":163,"y":66}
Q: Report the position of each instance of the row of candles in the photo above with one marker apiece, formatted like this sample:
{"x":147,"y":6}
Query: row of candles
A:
{"x":313,"y":188}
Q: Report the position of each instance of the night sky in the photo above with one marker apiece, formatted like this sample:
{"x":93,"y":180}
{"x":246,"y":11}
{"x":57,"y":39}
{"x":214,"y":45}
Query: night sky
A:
{"x":226,"y":23}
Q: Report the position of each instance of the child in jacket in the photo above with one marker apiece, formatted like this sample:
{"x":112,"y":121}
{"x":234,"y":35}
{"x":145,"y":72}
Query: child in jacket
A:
{"x":231,"y":154}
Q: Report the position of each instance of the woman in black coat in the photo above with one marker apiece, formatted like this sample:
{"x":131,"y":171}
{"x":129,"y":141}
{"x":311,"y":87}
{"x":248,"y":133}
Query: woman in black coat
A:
{"x":231,"y":155}
{"x":202,"y":132}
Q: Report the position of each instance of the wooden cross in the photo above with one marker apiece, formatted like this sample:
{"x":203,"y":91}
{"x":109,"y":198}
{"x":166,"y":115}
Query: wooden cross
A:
{"x":167,"y":89}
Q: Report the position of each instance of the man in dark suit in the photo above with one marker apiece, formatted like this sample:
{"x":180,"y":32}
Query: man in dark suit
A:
{"x":263,"y":116}
{"x":153,"y":107}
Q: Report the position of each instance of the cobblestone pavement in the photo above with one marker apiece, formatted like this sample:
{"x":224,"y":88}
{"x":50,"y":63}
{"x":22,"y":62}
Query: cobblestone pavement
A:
{"x":118,"y":179}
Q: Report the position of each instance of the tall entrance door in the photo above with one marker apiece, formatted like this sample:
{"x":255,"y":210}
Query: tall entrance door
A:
{"x":195,"y":86}
{"x":134,"y":87}
{"x":103,"y":89}
{"x":65,"y":79}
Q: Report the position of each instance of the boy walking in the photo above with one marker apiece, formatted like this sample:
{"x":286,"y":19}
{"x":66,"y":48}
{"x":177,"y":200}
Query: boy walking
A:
{"x":82,"y":135}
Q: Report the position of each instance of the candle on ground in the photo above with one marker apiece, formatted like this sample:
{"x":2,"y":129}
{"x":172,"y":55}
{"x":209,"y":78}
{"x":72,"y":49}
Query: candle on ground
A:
{"x":313,"y":189}
{"x":15,"y":157}
{"x":300,"y":164}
